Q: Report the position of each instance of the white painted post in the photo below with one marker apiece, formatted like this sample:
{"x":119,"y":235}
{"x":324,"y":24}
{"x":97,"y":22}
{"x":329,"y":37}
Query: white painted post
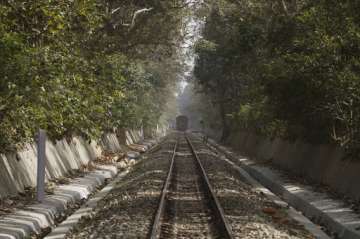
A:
{"x":40,"y":185}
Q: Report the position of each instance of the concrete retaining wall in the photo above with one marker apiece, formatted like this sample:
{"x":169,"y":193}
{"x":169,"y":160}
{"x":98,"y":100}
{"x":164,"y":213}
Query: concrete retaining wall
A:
{"x":319,"y":163}
{"x":160,"y":131}
{"x":18,"y":170}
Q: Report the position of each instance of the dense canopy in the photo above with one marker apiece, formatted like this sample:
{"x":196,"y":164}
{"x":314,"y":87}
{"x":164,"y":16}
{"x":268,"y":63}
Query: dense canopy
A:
{"x":284,"y":68}
{"x":86,"y":66}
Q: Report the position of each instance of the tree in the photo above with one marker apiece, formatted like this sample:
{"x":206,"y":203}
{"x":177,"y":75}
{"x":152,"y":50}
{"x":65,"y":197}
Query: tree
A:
{"x":285,"y":68}
{"x":84,"y":67}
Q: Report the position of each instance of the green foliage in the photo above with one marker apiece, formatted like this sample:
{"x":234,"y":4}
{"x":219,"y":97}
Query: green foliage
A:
{"x":286,"y":68}
{"x":318,"y":75}
{"x":83,"y":67}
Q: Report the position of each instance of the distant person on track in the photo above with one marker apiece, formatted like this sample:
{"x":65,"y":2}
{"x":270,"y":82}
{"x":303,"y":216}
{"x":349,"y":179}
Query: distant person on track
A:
{"x":204,"y":136}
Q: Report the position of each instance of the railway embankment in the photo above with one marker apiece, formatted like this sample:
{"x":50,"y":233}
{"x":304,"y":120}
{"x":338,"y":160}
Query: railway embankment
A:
{"x":74,"y":171}
{"x":63,"y":157}
{"x":319,"y":164}
{"x":338,"y":216}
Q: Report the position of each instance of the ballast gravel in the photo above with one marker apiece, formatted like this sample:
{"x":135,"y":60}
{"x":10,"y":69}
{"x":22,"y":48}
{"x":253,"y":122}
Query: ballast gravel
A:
{"x":128,"y":210}
{"x":250,"y":214}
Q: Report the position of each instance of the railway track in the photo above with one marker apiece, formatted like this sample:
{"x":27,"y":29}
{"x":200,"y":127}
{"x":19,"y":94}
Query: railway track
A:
{"x":188,"y":207}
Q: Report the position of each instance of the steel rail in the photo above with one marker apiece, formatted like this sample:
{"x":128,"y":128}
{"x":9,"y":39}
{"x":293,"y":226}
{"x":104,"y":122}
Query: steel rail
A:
{"x":155,"y":230}
{"x":220,"y":215}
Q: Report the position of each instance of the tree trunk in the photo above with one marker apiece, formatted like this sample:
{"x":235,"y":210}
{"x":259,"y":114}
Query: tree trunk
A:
{"x":148,"y":132}
{"x":121,"y":135}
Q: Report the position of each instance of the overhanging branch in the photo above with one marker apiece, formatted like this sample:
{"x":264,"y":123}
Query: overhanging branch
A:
{"x":136,"y":14}
{"x":133,"y":20}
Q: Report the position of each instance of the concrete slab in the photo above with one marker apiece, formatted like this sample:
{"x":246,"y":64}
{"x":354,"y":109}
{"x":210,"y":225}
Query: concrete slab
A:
{"x":6,"y":236}
{"x":38,"y":216}
{"x":28,"y":221}
{"x":132,"y":154}
{"x":9,"y":230}
{"x":17,"y":225}
{"x":343,"y":222}
{"x":86,"y":210}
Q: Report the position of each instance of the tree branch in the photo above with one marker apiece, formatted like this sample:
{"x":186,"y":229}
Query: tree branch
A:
{"x":136,"y":14}
{"x":133,"y":20}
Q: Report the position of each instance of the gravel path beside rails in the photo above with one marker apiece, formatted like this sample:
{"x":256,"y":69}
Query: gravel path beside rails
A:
{"x":250,"y":213}
{"x":338,"y":220}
